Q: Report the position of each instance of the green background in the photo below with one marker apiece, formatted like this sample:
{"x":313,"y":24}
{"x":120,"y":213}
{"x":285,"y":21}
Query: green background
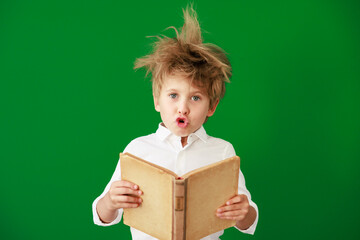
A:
{"x":70,"y":102}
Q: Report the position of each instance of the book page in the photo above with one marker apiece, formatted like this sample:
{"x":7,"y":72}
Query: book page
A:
{"x":208,"y":188}
{"x":154,"y":215}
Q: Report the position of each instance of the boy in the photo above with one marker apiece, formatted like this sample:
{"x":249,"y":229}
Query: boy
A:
{"x":188,"y":78}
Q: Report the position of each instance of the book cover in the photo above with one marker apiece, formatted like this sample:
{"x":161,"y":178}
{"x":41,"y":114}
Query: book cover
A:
{"x":175,"y":208}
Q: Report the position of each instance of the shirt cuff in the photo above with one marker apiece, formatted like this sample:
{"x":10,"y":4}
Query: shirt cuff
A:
{"x":97,"y":219}
{"x":251,"y":229}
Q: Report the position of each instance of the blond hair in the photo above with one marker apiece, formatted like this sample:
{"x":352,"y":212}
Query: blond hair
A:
{"x":204,"y":64}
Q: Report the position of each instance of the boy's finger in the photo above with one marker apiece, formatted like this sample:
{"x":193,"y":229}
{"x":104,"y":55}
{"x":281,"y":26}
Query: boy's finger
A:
{"x":128,"y":199}
{"x":131,"y":185}
{"x":236,"y":213}
{"x":129,"y":205}
{"x":125,"y":191}
{"x":235,"y":199}
{"x":229,"y":208}
{"x":128,"y":191}
{"x":237,"y":218}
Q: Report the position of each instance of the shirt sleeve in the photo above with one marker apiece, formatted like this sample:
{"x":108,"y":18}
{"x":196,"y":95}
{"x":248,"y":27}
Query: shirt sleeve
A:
{"x":116,"y":176}
{"x":230,"y":152}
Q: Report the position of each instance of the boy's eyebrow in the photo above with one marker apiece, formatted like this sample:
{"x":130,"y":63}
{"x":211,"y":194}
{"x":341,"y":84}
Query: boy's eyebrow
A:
{"x":192,"y":93}
{"x":171,"y":90}
{"x":197,"y":92}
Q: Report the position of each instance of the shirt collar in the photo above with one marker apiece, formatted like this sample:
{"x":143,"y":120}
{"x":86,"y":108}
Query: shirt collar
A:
{"x":201,"y":134}
{"x":163,"y":133}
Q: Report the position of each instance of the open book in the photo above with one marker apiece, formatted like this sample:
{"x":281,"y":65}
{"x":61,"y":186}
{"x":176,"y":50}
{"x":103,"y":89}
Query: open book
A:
{"x":180,"y":208}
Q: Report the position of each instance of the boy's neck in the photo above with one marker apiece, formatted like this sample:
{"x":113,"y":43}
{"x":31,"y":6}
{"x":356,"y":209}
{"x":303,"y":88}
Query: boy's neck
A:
{"x":184,"y":141}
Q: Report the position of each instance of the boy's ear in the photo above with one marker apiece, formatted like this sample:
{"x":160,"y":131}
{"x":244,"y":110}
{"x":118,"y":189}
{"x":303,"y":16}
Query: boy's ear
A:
{"x":212,"y":110}
{"x":156,"y":104}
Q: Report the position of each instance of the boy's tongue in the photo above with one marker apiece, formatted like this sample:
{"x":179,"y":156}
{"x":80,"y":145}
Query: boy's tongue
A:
{"x":182,"y":122}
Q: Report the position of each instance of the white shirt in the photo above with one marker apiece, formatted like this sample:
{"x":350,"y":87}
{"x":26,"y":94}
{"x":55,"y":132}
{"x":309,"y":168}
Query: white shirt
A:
{"x":165,"y":149}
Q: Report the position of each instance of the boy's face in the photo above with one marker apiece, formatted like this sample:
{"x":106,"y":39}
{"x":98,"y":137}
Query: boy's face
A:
{"x":183,"y":107}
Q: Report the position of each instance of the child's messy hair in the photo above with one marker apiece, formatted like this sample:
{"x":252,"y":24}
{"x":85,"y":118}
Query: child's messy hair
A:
{"x":204,"y":64}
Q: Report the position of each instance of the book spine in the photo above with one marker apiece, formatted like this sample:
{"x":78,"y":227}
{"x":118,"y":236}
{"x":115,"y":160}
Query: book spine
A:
{"x":179,"y":209}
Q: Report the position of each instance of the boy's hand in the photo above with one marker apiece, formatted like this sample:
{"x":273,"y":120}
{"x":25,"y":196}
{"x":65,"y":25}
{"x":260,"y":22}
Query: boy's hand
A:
{"x":236,"y":208}
{"x":123,"y":194}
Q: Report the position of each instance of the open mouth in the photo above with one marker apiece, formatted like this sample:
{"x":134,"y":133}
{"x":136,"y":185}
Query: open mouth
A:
{"x":182,"y":122}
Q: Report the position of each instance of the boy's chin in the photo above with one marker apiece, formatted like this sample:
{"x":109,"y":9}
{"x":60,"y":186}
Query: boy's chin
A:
{"x":181,"y":133}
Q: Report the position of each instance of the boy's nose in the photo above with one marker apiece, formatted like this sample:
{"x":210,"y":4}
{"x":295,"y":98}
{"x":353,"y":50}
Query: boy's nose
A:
{"x":183,"y":108}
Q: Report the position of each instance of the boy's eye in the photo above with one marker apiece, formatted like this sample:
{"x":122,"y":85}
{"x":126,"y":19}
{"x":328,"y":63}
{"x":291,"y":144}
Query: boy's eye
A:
{"x":195,"y":98}
{"x":173,"y":95}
